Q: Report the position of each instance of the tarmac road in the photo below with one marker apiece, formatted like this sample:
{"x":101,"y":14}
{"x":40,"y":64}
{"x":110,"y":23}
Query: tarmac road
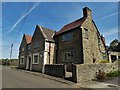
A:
{"x":12,"y":78}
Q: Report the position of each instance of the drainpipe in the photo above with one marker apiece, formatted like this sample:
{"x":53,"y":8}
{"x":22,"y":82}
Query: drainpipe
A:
{"x":49,"y":52}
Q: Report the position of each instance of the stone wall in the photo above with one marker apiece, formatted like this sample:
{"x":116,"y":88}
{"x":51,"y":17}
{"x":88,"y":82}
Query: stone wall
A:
{"x":93,"y":47}
{"x":57,"y":70}
{"x":86,"y":72}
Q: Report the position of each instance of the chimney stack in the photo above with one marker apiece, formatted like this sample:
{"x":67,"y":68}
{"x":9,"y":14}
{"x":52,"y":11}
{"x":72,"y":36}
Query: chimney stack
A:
{"x":87,"y":13}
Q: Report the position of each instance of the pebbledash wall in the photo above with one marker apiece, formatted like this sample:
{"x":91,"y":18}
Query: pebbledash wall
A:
{"x":86,"y":72}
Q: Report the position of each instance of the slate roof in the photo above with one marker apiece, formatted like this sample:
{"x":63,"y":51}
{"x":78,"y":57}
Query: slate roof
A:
{"x":48,"y":33}
{"x":28,"y":38}
{"x":71,"y":25}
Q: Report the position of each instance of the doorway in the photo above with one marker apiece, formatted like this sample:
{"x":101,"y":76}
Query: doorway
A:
{"x":29,"y":63}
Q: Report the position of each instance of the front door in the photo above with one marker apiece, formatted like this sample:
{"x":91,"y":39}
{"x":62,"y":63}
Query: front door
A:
{"x":29,"y":63}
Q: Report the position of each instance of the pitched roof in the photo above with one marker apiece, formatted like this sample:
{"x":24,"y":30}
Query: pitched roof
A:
{"x":28,"y":38}
{"x":71,"y":25}
{"x":48,"y":33}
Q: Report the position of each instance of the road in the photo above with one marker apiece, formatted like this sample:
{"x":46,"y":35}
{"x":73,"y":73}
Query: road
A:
{"x":12,"y":78}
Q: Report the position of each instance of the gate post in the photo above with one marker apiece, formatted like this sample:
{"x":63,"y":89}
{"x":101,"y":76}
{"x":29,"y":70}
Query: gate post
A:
{"x":74,"y":73}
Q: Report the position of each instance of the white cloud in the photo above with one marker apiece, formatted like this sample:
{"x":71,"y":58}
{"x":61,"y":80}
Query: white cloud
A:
{"x":21,"y":18}
{"x":107,"y":16}
{"x":110,"y":32}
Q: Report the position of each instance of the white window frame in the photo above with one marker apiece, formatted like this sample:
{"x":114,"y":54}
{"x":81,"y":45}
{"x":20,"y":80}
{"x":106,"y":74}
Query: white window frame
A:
{"x":34,"y":59}
{"x":22,"y":57}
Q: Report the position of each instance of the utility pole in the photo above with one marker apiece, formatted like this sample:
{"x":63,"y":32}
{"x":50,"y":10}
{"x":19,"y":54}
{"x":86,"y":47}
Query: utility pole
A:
{"x":11,"y":53}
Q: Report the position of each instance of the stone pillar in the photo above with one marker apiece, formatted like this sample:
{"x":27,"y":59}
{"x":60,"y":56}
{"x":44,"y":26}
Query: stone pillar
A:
{"x":110,"y":61}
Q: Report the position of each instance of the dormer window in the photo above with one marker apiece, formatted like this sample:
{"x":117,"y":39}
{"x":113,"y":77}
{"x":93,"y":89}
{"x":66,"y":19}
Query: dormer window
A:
{"x":36,"y":44}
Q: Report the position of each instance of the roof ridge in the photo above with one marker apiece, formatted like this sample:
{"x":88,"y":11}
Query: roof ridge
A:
{"x":71,"y":25}
{"x":74,"y":21}
{"x":45,"y":27}
{"x":41,"y":28}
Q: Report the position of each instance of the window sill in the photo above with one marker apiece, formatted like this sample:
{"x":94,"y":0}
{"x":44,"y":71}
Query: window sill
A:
{"x":35,"y":63}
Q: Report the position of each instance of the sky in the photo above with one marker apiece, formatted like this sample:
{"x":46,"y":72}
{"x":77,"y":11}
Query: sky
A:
{"x":22,"y":17}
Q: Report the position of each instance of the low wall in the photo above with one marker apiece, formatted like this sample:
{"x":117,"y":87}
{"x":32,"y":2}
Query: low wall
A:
{"x":57,"y":70}
{"x":86,"y":72}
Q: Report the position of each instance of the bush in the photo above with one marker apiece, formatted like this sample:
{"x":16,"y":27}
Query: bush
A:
{"x":100,"y":75}
{"x":114,"y":74}
{"x":103,"y":61}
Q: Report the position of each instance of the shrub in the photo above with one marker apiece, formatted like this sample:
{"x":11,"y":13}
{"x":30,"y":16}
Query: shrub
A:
{"x":103,"y":61}
{"x":100,"y":75}
{"x":113,"y":74}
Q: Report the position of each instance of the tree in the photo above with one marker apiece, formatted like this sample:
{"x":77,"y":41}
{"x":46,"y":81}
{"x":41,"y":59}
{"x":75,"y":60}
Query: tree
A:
{"x":114,"y":44}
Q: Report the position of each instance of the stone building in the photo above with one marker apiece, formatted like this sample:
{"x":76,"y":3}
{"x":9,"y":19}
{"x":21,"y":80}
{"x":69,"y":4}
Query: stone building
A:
{"x":37,"y":50}
{"x":77,"y":42}
{"x":80,"y":42}
{"x":23,"y":50}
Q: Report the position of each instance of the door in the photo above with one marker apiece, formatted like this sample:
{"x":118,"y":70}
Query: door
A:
{"x":29,"y":63}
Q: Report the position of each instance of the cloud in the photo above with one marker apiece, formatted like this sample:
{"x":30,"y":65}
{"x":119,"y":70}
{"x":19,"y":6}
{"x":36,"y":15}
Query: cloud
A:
{"x":111,"y":32}
{"x":21,"y":18}
{"x":107,"y":16}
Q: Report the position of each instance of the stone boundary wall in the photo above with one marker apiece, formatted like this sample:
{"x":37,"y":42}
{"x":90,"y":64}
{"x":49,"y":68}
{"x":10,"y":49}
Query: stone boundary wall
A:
{"x":57,"y":70}
{"x":86,"y":72}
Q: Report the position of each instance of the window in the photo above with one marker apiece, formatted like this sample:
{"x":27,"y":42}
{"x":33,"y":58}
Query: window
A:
{"x":23,"y":49}
{"x":94,"y":60}
{"x":86,"y":33}
{"x":113,"y":58}
{"x":67,"y":36}
{"x":22,"y":60}
{"x":104,"y":55}
{"x":68,"y":55}
{"x":36,"y":59}
{"x":98,"y":40}
{"x":36,"y":44}
{"x":118,"y":57}
{"x":28,"y":47}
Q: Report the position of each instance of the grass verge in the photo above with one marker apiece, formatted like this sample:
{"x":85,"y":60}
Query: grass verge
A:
{"x":113,"y":74}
